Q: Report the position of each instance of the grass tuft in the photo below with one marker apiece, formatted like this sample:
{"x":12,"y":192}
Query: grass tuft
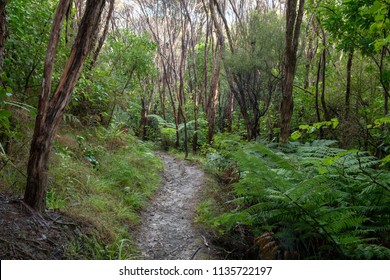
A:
{"x":107,"y":193}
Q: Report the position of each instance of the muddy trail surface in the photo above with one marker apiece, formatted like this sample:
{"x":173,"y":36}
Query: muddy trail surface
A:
{"x":167,"y":231}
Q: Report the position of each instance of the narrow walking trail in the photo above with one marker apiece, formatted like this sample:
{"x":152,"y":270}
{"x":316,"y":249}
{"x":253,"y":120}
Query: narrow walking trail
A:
{"x":167,"y":231}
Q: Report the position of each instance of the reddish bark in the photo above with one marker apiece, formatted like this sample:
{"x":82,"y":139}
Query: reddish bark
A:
{"x":51,"y":108}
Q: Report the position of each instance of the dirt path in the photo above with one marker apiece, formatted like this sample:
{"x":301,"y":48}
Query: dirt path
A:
{"x":167,"y":231}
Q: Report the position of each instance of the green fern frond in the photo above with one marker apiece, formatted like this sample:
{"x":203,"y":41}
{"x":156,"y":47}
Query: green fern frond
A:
{"x":371,"y":251}
{"x":310,"y":192}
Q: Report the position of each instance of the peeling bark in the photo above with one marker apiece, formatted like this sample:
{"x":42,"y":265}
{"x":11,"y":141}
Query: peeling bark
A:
{"x":51,"y":108}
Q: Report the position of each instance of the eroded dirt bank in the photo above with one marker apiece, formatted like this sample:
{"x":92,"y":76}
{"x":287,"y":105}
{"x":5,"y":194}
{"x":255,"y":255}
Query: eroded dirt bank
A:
{"x":167,"y":231}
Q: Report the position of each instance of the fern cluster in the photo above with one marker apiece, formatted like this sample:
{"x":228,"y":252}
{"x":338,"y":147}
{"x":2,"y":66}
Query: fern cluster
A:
{"x":308,"y":200}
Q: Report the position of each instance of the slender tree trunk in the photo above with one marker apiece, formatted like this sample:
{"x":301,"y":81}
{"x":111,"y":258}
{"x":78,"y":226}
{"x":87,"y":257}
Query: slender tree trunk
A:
{"x":348,"y":87}
{"x":194,"y":79}
{"x":205,"y":66}
{"x":51,"y":109}
{"x":310,"y":51}
{"x":177,"y":142}
{"x":384,"y":82}
{"x":230,"y":113}
{"x":242,"y":106}
{"x":214,"y":92}
{"x":317,"y":107}
{"x":196,"y":99}
{"x":323,"y":84}
{"x":293,"y":27}
{"x":162,"y":98}
{"x":143,"y":121}
{"x":226,"y":25}
{"x":196,"y":127}
{"x":346,"y":137}
{"x":104,"y":35}
{"x":184,"y":46}
{"x":270,"y":127}
{"x":212,"y":101}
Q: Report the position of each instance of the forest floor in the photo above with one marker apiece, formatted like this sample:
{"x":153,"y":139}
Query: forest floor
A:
{"x":167,"y":230}
{"x":25,"y":234}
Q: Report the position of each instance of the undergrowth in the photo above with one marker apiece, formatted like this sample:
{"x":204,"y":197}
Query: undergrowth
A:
{"x":300,"y":201}
{"x":103,"y":177}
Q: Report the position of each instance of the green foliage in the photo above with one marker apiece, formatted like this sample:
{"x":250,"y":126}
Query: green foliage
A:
{"x":262,"y":38}
{"x":28,"y":27}
{"x":161,"y":122}
{"x":165,"y":132}
{"x":318,"y":201}
{"x":162,"y":131}
{"x":201,"y":132}
{"x":255,"y":66}
{"x":168,"y":137}
{"x":309,"y":129}
{"x":5,"y":116}
{"x":53,"y":200}
{"x":115,"y":85}
{"x":360,"y":24}
{"x":4,"y":119}
{"x":109,"y":196}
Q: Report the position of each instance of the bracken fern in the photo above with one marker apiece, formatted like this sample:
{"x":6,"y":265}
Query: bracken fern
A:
{"x":317,"y":201}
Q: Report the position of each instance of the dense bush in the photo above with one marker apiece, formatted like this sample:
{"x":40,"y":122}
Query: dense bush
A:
{"x":306,"y":201}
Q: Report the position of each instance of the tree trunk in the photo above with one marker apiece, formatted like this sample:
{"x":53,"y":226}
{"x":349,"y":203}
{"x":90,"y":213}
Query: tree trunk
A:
{"x":184,"y":47}
{"x":346,"y":138}
{"x":143,"y":121}
{"x":317,"y":107}
{"x":323,"y":76}
{"x":104,"y":35}
{"x":195,"y":97}
{"x":203,"y":95}
{"x":310,"y":52}
{"x":230,"y":113}
{"x":212,"y":101}
{"x":162,"y":97}
{"x":348,"y":87}
{"x":195,"y":136}
{"x":323,"y":79}
{"x":51,"y":109}
{"x":293,"y":26}
{"x":175,"y":115}
{"x":214,"y":92}
{"x":384,"y":81}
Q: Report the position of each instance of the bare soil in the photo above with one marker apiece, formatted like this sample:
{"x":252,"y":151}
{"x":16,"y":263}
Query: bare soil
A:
{"x":167,"y":230}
